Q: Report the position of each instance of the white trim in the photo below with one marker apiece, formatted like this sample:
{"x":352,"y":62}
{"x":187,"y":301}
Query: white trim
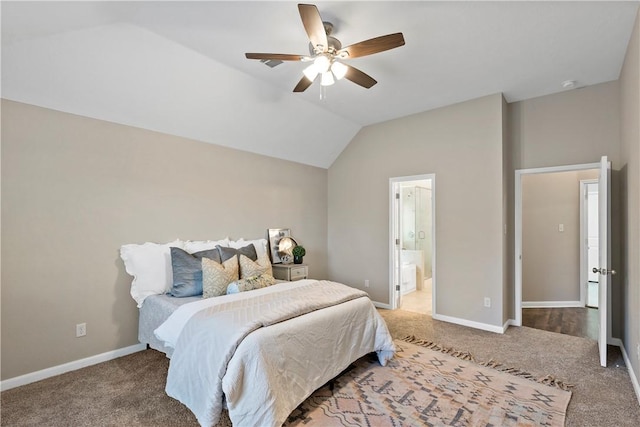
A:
{"x":470,"y":323}
{"x":392,"y":246}
{"x":518,"y":224}
{"x":67,"y":367}
{"x":551,"y":304}
{"x":382,"y":305}
{"x":567,"y":168}
{"x":517,"y":260}
{"x":582,"y":273}
{"x":434,"y":291}
{"x":632,"y":374}
{"x":615,"y":341}
{"x":509,"y":322}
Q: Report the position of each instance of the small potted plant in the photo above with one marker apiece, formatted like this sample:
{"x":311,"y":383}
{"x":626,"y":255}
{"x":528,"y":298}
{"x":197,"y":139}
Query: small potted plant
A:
{"x":298,"y":252}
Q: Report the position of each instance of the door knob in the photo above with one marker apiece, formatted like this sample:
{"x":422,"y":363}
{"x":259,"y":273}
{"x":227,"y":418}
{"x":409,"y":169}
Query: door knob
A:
{"x":603,"y":271}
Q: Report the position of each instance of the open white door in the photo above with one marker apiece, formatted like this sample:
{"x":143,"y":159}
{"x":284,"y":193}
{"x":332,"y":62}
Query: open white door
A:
{"x":604,"y":248}
{"x":397,"y":252}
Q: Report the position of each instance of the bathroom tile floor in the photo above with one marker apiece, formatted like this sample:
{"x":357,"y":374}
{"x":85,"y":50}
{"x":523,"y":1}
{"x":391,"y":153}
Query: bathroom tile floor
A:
{"x":418,"y":301}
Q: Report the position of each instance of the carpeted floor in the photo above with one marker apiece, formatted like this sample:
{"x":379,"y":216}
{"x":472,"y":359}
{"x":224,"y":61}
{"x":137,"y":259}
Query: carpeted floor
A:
{"x":129,"y":391}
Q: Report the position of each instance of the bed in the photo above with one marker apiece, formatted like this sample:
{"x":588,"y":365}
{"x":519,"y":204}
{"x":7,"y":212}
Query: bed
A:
{"x":263,"y":352}
{"x":153,"y":313}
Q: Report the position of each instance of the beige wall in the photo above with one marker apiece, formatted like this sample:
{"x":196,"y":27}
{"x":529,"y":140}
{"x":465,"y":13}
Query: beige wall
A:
{"x":572,"y":127}
{"x":462,"y":145}
{"x":75,"y":189}
{"x":630,"y":192}
{"x":550,"y":258}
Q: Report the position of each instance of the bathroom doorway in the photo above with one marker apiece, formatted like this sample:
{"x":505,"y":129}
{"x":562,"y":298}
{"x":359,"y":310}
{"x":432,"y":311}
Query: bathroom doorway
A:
{"x":412,"y":239}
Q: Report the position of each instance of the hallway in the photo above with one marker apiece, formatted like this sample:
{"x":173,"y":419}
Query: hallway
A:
{"x":575,"y":321}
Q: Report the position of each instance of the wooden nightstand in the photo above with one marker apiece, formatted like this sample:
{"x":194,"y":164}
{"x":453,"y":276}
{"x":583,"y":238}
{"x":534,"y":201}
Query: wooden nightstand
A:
{"x":290,"y":272}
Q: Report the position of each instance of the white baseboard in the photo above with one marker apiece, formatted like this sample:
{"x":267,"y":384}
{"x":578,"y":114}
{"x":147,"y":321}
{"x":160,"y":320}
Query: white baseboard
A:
{"x":632,"y":374}
{"x":67,"y":367}
{"x":615,"y":341}
{"x":551,"y":304}
{"x":382,"y":305}
{"x":509,"y":322}
{"x":470,"y":323}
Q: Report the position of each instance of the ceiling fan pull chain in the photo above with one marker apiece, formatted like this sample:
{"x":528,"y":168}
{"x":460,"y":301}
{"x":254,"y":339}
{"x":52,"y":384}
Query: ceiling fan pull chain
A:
{"x":323,"y":93}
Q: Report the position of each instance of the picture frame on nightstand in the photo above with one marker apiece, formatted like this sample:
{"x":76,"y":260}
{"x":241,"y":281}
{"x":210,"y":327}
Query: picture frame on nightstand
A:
{"x":275,"y":235}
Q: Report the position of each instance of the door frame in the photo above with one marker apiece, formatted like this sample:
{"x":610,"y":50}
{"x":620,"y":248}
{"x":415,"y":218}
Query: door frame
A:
{"x":518,"y":224}
{"x":584,"y":255}
{"x":394,"y":220}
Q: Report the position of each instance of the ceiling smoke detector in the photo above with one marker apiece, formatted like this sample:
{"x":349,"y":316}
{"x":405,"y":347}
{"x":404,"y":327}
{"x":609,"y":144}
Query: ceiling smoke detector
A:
{"x":569,"y":84}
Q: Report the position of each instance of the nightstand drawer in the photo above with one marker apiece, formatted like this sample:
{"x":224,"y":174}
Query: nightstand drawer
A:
{"x":290,"y":272}
{"x":298,"y":273}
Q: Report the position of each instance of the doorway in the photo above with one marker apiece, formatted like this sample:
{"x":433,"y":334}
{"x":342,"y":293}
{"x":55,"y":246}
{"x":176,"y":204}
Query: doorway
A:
{"x":412,"y":242}
{"x":553,"y":235}
{"x":604,"y":251}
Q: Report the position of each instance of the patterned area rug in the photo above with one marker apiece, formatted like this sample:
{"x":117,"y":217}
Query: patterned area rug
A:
{"x":426,"y":384}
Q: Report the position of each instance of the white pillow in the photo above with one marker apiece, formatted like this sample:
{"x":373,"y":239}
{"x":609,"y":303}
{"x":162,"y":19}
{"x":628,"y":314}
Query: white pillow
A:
{"x":150,"y":266}
{"x":260,"y":245}
{"x":193,"y":246}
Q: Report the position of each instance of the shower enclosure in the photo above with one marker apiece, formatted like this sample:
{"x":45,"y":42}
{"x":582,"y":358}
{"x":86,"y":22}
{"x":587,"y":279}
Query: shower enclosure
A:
{"x":416,"y":230}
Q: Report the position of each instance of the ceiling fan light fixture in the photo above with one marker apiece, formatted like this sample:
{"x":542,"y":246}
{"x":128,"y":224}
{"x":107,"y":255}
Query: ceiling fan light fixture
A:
{"x":322,"y":63}
{"x":311,"y":72}
{"x":327,"y":79}
{"x":339,"y":69}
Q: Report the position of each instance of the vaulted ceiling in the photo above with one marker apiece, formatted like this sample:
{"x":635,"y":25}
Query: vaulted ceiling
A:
{"x":179,"y":67}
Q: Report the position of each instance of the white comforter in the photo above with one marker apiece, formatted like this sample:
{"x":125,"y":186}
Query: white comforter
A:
{"x":223,"y":345}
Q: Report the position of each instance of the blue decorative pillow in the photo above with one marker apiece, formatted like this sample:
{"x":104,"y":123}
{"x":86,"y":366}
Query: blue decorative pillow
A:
{"x":187,"y":271}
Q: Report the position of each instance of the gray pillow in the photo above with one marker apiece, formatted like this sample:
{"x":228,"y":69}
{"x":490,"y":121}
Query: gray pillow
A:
{"x":187,"y":271}
{"x":249,"y":251}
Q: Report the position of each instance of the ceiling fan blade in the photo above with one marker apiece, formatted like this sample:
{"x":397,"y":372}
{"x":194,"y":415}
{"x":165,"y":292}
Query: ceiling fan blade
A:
{"x":313,"y":25}
{"x":375,"y":45}
{"x":303,"y":84}
{"x":275,"y":56}
{"x":359,"y":78}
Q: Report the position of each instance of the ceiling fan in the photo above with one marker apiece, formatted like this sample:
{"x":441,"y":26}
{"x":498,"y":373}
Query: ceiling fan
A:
{"x":327,"y":53}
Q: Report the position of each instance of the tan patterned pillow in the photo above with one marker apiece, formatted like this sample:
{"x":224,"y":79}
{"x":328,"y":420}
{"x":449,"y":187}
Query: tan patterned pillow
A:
{"x":251,"y":283}
{"x":249,"y":268}
{"x":216,"y":277}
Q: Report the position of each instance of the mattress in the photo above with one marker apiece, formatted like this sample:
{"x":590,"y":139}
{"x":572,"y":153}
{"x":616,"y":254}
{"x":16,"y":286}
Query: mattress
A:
{"x":154,"y":311}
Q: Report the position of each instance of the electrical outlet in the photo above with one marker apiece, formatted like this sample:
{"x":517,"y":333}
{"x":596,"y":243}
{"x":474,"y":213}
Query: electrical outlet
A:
{"x":81,"y":330}
{"x":366,"y":283}
{"x":487,"y":302}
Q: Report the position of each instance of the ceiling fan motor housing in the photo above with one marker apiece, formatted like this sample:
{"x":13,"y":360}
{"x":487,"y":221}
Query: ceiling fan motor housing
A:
{"x":334,"y":44}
